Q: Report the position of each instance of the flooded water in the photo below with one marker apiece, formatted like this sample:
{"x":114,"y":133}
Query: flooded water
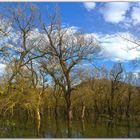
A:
{"x":52,"y":127}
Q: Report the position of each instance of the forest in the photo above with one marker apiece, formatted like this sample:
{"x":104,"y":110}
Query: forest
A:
{"x":46,"y":73}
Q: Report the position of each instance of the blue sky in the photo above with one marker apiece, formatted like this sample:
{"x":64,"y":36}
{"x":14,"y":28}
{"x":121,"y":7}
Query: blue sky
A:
{"x":106,"y":21}
{"x":77,"y":14}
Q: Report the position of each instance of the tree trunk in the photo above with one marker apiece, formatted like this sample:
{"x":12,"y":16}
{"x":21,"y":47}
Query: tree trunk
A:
{"x":58,"y":133}
{"x":111,"y":108}
{"x":96,"y":107}
{"x":69,"y":113}
{"x":69,"y":107}
{"x":69,"y":126}
{"x":38,"y":115}
{"x":56,"y":107}
{"x":83,"y":111}
{"x":128,"y":104}
{"x":83,"y":127}
{"x":38,"y":120}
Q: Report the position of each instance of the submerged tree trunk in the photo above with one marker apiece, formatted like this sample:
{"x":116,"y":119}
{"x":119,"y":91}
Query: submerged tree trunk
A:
{"x":58,"y":133}
{"x":83,"y":127}
{"x":38,"y":115}
{"x":69,"y":114}
{"x":69,"y":126}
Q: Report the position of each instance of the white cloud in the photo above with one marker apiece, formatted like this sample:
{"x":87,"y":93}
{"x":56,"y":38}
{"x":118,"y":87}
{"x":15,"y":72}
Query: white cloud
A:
{"x":116,"y":48}
{"x":135,"y":15}
{"x":2,"y":68}
{"x":115,"y":11}
{"x":136,"y":74}
{"x":89,"y":5}
{"x":128,"y":14}
{"x":113,"y":47}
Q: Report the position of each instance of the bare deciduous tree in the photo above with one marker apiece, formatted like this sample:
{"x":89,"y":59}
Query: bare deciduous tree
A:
{"x":65,"y":48}
{"x":115,"y":77}
{"x":23,"y":24}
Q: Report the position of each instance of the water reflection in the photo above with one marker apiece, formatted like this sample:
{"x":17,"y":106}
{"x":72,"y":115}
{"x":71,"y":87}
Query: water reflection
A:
{"x":52,"y":126}
{"x":58,"y":133}
{"x":83,"y":126}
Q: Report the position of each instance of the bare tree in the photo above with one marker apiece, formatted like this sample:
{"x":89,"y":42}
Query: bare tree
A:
{"x":133,"y":44}
{"x":115,"y":77}
{"x":23,"y":25}
{"x":5,"y":25}
{"x":65,"y":48}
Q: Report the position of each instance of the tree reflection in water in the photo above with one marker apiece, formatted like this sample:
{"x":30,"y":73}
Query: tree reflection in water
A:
{"x":51,"y":126}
